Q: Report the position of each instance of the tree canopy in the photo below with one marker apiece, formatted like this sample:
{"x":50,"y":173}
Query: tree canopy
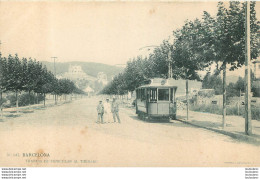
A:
{"x":213,"y":39}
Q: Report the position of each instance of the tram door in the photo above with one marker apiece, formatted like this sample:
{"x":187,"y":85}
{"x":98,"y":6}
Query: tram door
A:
{"x":152,"y":107}
{"x":163,"y":101}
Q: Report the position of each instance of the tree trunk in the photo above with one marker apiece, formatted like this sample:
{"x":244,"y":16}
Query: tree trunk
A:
{"x":187,"y":97}
{"x":1,"y":111}
{"x":44,"y":99}
{"x":224,"y":98}
{"x":29,"y":97}
{"x":37,"y":98}
{"x":55,"y":96}
{"x":16,"y":95}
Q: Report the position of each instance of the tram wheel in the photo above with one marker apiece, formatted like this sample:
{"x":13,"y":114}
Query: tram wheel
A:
{"x":144,"y":117}
{"x":147,"y":118}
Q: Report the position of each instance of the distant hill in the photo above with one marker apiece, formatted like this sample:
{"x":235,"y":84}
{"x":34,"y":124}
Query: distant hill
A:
{"x":89,"y":68}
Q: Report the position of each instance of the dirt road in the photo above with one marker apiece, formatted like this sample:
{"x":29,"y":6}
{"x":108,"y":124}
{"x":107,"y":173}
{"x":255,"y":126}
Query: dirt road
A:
{"x":67,"y":135}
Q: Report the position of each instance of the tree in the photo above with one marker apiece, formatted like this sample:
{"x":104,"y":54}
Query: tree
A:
{"x":2,"y":76}
{"x":159,"y":60}
{"x":188,"y":58}
{"x":212,"y":82}
{"x":19,"y":75}
{"x":14,"y":81}
{"x":2,"y":87}
{"x":239,"y":87}
{"x":227,"y":34}
{"x":135,"y":74}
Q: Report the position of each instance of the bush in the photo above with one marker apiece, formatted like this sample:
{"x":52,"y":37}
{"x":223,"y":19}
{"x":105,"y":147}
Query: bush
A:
{"x":255,"y":112}
{"x":206,"y":108}
{"x":2,"y":101}
{"x":23,"y":99}
{"x":231,"y":110}
{"x":12,"y":100}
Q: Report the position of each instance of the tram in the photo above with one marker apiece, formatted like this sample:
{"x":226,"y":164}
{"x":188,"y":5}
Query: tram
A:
{"x":156,"y":100}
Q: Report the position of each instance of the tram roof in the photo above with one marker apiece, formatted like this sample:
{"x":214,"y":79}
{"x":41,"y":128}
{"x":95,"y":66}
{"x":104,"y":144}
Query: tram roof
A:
{"x":160,"y":82}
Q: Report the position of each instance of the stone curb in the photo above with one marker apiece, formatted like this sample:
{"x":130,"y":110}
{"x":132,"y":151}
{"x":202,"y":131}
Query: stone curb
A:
{"x":237,"y":136}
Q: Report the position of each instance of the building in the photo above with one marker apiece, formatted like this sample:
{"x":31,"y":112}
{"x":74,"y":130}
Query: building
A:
{"x":102,"y":78}
{"x":89,"y":91}
{"x":75,"y":72}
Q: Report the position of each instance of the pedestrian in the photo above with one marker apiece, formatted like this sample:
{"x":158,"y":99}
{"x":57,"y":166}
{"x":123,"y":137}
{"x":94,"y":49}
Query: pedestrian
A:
{"x":100,"y":110}
{"x":115,"y":110}
{"x":107,"y":111}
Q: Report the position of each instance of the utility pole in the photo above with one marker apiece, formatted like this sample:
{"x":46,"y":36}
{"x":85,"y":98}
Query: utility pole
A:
{"x":169,"y":64}
{"x":248,"y":124}
{"x":54,"y":58}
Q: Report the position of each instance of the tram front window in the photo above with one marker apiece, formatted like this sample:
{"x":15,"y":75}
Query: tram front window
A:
{"x":163,"y":94}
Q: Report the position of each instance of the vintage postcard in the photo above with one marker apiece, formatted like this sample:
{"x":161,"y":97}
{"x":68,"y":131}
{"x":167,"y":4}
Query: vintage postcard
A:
{"x":129,"y":84}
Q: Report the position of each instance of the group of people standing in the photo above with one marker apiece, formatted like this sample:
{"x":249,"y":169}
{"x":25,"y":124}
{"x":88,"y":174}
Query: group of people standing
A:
{"x":107,"y":110}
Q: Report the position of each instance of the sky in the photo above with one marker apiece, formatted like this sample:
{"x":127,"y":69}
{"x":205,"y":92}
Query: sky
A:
{"x":103,"y":32}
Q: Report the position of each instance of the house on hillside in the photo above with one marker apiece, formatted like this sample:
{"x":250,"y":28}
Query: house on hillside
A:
{"x":89,"y":91}
{"x":75,"y":72}
{"x":102,"y":78}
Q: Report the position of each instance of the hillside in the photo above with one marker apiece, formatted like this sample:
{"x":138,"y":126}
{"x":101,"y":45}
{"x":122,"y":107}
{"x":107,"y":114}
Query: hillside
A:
{"x":90,"y":68}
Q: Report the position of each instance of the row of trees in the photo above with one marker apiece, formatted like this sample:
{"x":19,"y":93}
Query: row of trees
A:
{"x":30,"y":76}
{"x":197,"y":45}
{"x":212,"y":81}
{"x":218,"y":39}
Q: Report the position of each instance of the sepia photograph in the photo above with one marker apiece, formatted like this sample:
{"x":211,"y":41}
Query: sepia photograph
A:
{"x":130,"y":84}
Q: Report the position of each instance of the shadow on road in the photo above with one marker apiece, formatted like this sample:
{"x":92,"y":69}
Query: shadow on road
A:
{"x":180,"y":117}
{"x":207,"y":124}
{"x":12,"y":115}
{"x":173,"y":123}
